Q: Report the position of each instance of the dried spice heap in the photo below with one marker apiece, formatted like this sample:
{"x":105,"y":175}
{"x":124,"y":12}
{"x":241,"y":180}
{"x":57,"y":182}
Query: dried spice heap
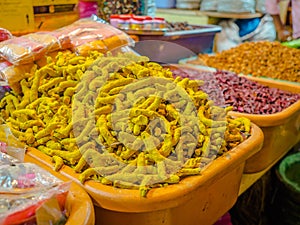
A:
{"x":269,"y":59}
{"x":244,"y":95}
{"x":120,"y":120}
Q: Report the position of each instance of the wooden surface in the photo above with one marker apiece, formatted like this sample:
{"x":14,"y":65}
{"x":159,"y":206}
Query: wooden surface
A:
{"x":232,"y":15}
{"x":183,"y":13}
{"x":180,"y":12}
{"x":194,"y":17}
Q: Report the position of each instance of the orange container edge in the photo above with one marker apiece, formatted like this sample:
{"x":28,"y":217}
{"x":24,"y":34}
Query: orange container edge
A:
{"x":125,"y":200}
{"x":280,"y":130}
{"x":79,"y":205}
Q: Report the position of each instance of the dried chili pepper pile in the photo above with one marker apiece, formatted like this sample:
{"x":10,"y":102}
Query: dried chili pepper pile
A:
{"x":244,"y":95}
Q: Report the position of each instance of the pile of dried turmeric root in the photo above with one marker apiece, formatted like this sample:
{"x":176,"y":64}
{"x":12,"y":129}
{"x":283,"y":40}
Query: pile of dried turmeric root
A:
{"x":120,"y":120}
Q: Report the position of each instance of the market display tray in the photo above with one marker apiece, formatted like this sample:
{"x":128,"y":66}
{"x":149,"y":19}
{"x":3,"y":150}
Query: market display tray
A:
{"x":187,"y":61}
{"x":172,"y":46}
{"x":145,"y":32}
{"x":197,"y":29}
{"x":209,"y":195}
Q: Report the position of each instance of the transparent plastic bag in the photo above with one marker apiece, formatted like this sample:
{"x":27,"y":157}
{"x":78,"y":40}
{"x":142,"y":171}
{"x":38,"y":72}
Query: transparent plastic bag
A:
{"x":88,"y":34}
{"x":6,"y":159}
{"x":14,"y":147}
{"x":52,"y":40}
{"x":21,"y":50}
{"x":24,"y":178}
{"x":21,"y":209}
{"x":11,"y":74}
{"x":28,"y":48}
{"x":3,"y":66}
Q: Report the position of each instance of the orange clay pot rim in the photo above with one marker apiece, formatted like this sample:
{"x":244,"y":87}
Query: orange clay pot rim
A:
{"x":264,"y":120}
{"x":127,"y":200}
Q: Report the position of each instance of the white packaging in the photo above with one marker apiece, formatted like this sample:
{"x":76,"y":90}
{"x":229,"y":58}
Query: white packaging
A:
{"x":237,"y":6}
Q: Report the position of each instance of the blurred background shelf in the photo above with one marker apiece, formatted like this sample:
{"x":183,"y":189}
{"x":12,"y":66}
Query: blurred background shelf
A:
{"x":231,"y":15}
{"x":195,"y":17}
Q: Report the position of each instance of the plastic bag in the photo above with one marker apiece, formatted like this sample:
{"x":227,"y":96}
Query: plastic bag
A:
{"x":21,"y":50}
{"x":265,"y":31}
{"x":261,"y":6}
{"x":11,"y":74}
{"x":229,"y":36}
{"x":247,"y":26}
{"x":6,"y":159}
{"x":20,"y":209}
{"x":87,"y":35}
{"x":24,"y":178}
{"x":238,"y":6}
{"x":14,"y":147}
{"x":209,"y":5}
{"x":5,"y":34}
{"x":292,"y":44}
{"x":3,"y":66}
{"x":53,"y":41}
{"x":28,"y":48}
